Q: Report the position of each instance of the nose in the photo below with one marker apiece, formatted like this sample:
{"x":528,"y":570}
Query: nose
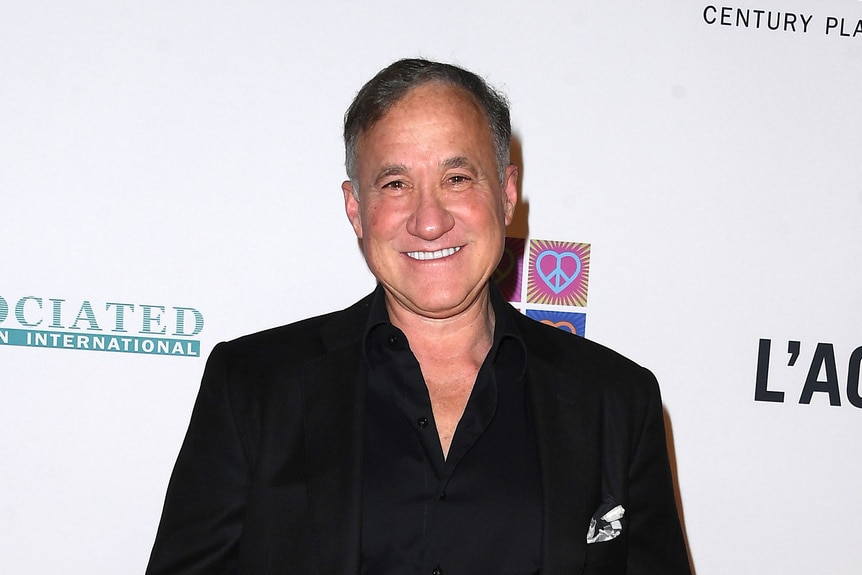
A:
{"x":430,"y":218}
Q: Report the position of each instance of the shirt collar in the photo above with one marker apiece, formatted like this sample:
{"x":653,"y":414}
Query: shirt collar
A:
{"x":507,"y":349}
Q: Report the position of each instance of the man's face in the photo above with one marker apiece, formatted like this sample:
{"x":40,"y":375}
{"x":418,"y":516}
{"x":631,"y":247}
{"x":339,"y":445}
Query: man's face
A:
{"x":431,"y":213}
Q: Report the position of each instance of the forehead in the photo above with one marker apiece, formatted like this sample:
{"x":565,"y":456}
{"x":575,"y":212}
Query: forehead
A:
{"x":432,"y":94}
{"x":428,"y":116}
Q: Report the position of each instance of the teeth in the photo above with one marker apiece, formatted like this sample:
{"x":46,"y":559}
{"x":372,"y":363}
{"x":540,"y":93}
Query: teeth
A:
{"x":433,"y":255}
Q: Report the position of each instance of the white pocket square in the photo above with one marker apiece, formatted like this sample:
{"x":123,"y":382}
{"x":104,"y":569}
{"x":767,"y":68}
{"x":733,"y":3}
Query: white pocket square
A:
{"x":606,"y":527}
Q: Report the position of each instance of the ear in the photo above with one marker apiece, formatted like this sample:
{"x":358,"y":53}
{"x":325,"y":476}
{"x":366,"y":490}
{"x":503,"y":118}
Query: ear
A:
{"x":351,"y":207}
{"x":510,"y":192}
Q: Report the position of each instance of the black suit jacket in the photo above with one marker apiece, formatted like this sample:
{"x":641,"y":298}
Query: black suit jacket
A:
{"x":268,"y":478}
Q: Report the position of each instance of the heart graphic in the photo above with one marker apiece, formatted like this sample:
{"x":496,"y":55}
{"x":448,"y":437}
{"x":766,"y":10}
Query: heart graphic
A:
{"x":505,"y":267}
{"x":558,"y":279}
{"x":562,"y":325}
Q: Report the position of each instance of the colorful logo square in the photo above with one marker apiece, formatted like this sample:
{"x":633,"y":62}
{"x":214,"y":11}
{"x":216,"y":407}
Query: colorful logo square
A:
{"x":571,"y":322}
{"x":558,"y":273}
{"x":509,"y":273}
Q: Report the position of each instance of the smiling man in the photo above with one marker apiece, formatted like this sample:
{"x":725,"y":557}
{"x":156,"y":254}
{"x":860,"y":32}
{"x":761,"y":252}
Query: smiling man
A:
{"x":429,"y":428}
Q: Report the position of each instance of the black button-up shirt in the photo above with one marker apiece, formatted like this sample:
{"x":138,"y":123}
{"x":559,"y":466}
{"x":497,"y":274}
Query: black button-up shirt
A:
{"x":478,"y":511}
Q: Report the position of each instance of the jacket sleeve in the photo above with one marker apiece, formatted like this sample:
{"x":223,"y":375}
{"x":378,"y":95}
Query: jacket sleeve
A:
{"x":203,"y":513}
{"x":655,"y":538}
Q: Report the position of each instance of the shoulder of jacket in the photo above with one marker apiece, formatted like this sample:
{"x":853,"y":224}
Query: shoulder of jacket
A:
{"x":590,"y":364}
{"x":306,"y":338}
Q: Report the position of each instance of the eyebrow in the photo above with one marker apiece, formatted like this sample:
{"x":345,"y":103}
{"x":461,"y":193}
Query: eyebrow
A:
{"x":390,"y":170}
{"x":453,"y":163}
{"x":458,"y":162}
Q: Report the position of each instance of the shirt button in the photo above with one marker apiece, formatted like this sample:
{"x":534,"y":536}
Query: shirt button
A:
{"x":437,"y":571}
{"x":393,"y":340}
{"x":423,"y":422}
{"x":442,"y":495}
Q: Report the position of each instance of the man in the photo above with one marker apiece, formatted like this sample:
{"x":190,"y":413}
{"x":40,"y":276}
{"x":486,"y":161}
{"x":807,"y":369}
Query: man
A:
{"x":430,"y":428}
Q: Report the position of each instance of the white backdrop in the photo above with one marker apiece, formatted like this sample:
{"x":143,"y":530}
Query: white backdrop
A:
{"x":161,"y":155}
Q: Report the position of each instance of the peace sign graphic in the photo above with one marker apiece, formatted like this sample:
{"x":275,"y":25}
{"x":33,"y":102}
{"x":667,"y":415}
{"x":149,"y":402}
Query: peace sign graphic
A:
{"x":558,"y":273}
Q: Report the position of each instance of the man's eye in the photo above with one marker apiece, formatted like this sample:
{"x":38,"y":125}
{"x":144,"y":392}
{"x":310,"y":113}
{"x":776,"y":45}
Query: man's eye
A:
{"x":459,"y":179}
{"x":394,"y":185}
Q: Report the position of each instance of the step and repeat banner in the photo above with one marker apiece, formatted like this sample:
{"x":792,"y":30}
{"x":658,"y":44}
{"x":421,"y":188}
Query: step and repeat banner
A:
{"x":691,"y":179}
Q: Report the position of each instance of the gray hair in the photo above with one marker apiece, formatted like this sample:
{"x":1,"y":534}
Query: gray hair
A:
{"x":394,"y":82}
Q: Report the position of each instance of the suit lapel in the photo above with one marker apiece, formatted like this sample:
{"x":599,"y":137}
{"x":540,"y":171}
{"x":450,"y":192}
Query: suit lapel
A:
{"x":334,"y":408}
{"x":567,"y":465}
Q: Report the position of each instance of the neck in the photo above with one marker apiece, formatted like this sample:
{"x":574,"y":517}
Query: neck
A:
{"x":468,"y":334}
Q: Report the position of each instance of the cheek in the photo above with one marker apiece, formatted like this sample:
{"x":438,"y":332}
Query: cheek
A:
{"x":371,"y":219}
{"x":483,"y":215}
{"x":381,"y":220}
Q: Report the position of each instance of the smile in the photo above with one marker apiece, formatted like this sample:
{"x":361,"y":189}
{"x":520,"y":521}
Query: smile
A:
{"x":433,"y":255}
